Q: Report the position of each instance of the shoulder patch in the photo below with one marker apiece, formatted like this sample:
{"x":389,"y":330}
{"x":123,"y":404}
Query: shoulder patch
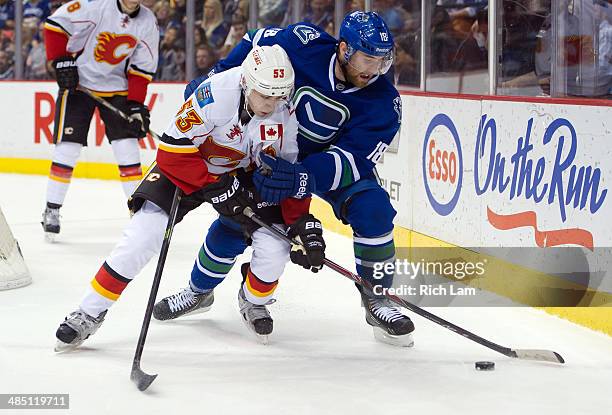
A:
{"x":204,"y":95}
{"x":397,"y":107}
{"x":306,"y":33}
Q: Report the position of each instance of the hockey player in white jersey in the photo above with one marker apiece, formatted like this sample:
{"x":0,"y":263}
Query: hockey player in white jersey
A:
{"x":208,"y":150}
{"x":111,"y":48}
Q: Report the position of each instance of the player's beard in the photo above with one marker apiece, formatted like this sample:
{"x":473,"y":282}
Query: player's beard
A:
{"x":357,"y":78}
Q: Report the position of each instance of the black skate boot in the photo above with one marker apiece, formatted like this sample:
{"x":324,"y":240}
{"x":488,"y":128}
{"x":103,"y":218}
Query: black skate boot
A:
{"x":51,"y":223}
{"x":256,"y":317}
{"x":75,"y":329}
{"x":183,"y":302}
{"x":388,"y":323}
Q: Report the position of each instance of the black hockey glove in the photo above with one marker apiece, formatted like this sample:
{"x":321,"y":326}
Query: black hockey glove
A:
{"x":139,"y":117}
{"x":309,"y":232}
{"x":66,"y":72}
{"x":228,"y":197}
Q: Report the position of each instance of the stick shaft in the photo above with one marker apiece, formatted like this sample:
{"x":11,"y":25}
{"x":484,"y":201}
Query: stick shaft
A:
{"x":395,"y":299}
{"x":112,"y":108}
{"x":157,"y":278}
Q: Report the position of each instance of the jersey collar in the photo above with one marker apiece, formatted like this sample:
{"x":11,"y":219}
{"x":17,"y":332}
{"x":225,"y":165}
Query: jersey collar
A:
{"x":131,"y":15}
{"x":332,"y":62}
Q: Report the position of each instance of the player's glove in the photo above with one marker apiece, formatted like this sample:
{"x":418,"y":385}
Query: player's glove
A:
{"x":66,"y":72}
{"x":139,"y":119}
{"x":228,"y":197}
{"x":309,"y":232}
{"x":277,"y":179}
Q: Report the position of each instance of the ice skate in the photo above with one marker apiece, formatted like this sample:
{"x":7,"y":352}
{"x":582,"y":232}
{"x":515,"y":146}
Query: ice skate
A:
{"x":256,"y":317}
{"x":75,"y":329}
{"x":51,"y":223}
{"x":184,"y":302}
{"x":388,"y":323}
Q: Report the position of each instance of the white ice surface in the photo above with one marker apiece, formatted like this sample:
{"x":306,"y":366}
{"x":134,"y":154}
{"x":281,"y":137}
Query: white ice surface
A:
{"x":322,"y":357}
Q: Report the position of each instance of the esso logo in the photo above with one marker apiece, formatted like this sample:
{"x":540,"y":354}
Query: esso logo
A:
{"x":442,"y":164}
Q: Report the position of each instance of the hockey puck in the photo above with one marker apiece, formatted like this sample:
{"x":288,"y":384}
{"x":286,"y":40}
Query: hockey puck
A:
{"x":484,"y":365}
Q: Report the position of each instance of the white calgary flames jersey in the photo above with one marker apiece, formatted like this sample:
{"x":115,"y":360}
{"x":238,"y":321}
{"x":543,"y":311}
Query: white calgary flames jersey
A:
{"x":111,"y":44}
{"x":209,"y":123}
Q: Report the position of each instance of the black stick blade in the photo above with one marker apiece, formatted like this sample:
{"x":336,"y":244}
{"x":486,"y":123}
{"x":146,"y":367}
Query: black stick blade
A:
{"x":141,"y":379}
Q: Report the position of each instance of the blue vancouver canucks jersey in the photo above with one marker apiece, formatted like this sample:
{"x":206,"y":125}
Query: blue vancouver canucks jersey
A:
{"x":343,"y":130}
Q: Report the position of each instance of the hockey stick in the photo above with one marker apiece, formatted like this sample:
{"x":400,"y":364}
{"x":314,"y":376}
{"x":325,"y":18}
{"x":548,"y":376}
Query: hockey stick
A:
{"x":525,"y":354}
{"x":138,"y":376}
{"x":112,"y":108}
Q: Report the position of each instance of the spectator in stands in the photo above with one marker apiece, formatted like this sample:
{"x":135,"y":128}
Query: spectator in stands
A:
{"x":205,"y":60}
{"x":233,"y":7}
{"x":171,"y":66}
{"x":443,"y":43}
{"x":353,"y":5}
{"x":237,"y":31}
{"x":179,"y":11}
{"x":199,"y":36}
{"x":271,"y":12}
{"x":163,"y":13}
{"x":36,"y":8}
{"x":457,"y":8}
{"x":35,"y":63}
{"x":462,"y":17}
{"x":586,"y":51}
{"x":7,"y":14}
{"x":406,"y":63}
{"x":54,"y":5}
{"x":29,"y":31}
{"x":393,"y":14}
{"x":521,"y":24}
{"x":321,"y":13}
{"x":215,"y":27}
{"x":6,"y":66}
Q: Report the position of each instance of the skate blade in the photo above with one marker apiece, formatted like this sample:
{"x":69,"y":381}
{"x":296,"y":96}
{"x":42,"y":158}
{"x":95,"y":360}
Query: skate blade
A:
{"x":191,"y":313}
{"x":261,"y":338}
{"x":50,"y":237}
{"x":61,"y":347}
{"x":399,"y":341}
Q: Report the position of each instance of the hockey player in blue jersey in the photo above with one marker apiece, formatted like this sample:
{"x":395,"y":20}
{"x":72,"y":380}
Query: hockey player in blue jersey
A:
{"x":348,"y":114}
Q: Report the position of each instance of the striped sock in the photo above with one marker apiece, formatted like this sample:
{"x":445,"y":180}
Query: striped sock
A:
{"x":104,"y":291}
{"x":374,"y":252}
{"x":59,"y":181}
{"x":130,"y":175}
{"x":257,"y":291}
{"x":209,"y":270}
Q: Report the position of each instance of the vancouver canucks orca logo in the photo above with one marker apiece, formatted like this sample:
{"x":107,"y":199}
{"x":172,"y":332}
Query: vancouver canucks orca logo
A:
{"x":306,"y":33}
{"x":319,"y":117}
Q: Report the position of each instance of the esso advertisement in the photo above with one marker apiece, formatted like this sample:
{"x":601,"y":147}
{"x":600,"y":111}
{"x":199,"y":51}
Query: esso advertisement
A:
{"x":442,"y":164}
{"x":504,"y":173}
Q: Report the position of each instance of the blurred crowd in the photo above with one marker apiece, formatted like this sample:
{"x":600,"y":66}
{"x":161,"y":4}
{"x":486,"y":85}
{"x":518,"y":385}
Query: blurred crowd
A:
{"x":457,"y":38}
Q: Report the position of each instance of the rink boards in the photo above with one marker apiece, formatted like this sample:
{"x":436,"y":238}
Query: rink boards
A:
{"x":464,"y":171}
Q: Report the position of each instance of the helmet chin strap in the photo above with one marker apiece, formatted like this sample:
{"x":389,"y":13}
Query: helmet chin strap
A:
{"x":342,"y":64}
{"x":246,"y":92}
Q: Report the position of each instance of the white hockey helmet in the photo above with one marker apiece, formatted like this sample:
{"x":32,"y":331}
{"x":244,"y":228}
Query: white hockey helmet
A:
{"x":267,"y":70}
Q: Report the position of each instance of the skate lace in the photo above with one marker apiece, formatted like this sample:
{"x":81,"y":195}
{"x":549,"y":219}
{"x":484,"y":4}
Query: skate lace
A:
{"x":181,"y":301}
{"x":81,"y":322}
{"x":51,"y":216}
{"x":385,"y":312}
{"x":256,"y":311}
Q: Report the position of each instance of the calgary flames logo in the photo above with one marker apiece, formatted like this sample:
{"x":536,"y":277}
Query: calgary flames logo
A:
{"x":109,"y":43}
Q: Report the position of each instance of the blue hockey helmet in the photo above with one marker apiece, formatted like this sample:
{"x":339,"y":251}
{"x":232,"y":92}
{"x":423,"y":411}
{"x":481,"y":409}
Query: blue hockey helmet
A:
{"x":367,"y":32}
